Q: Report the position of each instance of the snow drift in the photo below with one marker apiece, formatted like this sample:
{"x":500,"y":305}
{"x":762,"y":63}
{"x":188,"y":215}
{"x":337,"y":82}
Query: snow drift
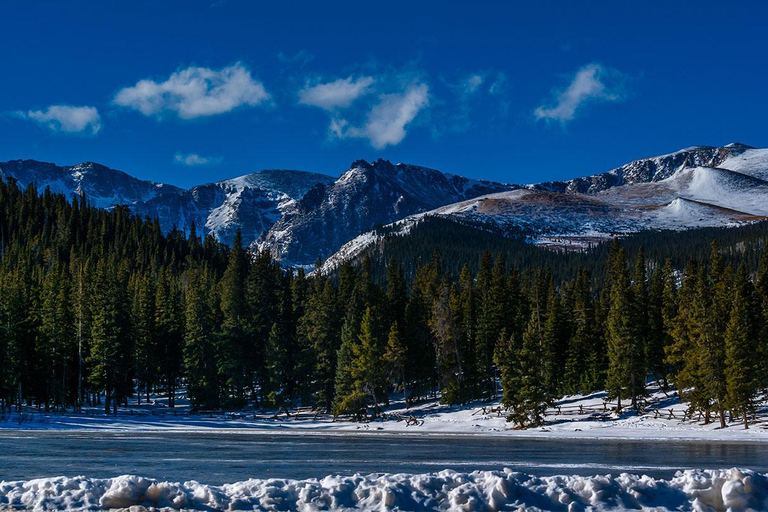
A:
{"x":700,"y":490}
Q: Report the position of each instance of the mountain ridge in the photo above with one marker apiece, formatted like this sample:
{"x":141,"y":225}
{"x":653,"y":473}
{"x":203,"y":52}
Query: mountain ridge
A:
{"x":299,"y":216}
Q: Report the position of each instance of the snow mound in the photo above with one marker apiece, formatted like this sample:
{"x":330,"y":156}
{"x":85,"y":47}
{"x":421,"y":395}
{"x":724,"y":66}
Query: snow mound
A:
{"x":699,"y":490}
{"x":684,"y":214}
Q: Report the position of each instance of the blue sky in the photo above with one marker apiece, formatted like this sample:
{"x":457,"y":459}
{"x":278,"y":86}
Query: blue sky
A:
{"x":187,"y":92}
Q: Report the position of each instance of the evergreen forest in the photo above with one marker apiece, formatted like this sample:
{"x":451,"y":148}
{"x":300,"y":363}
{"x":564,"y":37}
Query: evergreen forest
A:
{"x":99,"y":306}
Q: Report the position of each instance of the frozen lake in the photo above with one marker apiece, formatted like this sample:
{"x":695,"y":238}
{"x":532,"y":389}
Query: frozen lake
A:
{"x":216,"y":458}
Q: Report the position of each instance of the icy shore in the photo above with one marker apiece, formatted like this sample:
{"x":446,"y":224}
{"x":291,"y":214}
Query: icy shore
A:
{"x":699,"y":490}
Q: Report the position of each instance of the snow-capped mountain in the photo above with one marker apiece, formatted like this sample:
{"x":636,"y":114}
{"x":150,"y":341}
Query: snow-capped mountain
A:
{"x":695,"y":187}
{"x":646,"y":170}
{"x":250,"y":203}
{"x":103,"y":186}
{"x":299,"y":216}
{"x":367,"y":195}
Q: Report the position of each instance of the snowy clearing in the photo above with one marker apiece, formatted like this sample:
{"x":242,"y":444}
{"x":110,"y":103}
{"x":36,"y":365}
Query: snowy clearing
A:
{"x":700,"y":490}
{"x":582,"y":417}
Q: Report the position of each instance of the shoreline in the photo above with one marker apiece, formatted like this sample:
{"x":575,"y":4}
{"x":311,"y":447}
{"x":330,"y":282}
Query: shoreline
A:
{"x":347,"y":431}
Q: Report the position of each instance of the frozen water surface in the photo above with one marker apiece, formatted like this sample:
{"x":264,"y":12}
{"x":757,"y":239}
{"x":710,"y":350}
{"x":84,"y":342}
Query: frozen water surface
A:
{"x":217,"y":458}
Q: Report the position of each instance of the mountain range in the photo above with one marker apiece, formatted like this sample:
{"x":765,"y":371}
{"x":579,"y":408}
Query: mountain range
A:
{"x":300,"y":216}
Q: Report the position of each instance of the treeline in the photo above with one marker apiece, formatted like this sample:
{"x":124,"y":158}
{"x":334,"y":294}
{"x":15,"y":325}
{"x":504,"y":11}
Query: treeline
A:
{"x":98,"y":305}
{"x":742,"y":244}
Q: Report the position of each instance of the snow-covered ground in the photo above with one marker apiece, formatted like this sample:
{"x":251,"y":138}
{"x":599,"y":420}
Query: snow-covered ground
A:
{"x":585,"y":417}
{"x":700,"y":490}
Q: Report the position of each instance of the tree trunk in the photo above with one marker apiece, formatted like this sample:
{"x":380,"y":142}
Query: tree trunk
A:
{"x":405,"y":391}
{"x":721,"y":413}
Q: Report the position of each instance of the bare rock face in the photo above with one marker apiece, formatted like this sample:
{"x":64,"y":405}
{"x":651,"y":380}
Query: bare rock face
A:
{"x":647,"y":169}
{"x":250,"y":203}
{"x":300,"y":216}
{"x":365,"y":196}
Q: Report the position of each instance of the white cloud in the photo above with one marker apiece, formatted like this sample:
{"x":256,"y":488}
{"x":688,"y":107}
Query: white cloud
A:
{"x":337,"y":94}
{"x":593,"y":82}
{"x":66,"y":118}
{"x":473,"y":83}
{"x":387,"y":120}
{"x":195,"y":160}
{"x":499,"y":84}
{"x":195,"y":92}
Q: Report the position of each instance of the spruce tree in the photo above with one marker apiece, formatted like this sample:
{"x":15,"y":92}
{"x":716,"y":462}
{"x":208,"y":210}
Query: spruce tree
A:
{"x":318,"y":330}
{"x":740,"y":348}
{"x":523,"y":376}
{"x":446,"y":329}
{"x":395,"y":356}
{"x":620,"y":335}
{"x":169,"y":329}
{"x":144,"y":333}
{"x":200,"y":355}
{"x":233,"y":350}
{"x":366,"y":368}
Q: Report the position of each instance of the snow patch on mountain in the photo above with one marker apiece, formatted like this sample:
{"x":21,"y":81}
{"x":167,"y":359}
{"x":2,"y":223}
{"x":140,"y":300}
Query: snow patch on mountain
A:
{"x":301,"y":216}
{"x":104,"y":187}
{"x":365,"y":196}
{"x":750,"y":161}
{"x":674,"y":192}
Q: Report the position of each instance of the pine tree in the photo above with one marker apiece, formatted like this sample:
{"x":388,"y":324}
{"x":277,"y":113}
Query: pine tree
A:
{"x":107,"y":350}
{"x":422,"y":364}
{"x":712,"y":302}
{"x":740,"y":337}
{"x":56,"y":335}
{"x":367,"y":369}
{"x":395,"y":356}
{"x":638,"y":368}
{"x":169,"y":329}
{"x":619,"y":378}
{"x":761,"y":288}
{"x":554,"y":342}
{"x":200,"y":354}
{"x":318,"y":328}
{"x":233,"y":350}
{"x":262,"y":294}
{"x":472,"y":366}
{"x":582,"y":373}
{"x":397,"y":292}
{"x":143,"y":331}
{"x":523,"y":376}
{"x":446,"y":330}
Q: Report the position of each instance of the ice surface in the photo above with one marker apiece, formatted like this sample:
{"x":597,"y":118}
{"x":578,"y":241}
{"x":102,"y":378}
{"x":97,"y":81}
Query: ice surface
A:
{"x":699,"y":490}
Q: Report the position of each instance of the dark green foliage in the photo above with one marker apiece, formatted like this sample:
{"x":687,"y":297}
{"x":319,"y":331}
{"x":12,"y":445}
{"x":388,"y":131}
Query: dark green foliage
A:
{"x":523,"y":377}
{"x":741,"y":338}
{"x":99,"y":306}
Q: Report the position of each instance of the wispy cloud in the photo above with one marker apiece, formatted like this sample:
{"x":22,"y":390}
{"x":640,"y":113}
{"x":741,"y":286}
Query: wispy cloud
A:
{"x":337,"y":94}
{"x":472,"y":83}
{"x":377,"y":106}
{"x":66,"y":119}
{"x":195,"y":92}
{"x":591,"y":83}
{"x":469,"y":100}
{"x":195,"y":160}
{"x":386,"y":123}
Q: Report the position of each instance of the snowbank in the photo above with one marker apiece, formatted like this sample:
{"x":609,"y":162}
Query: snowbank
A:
{"x":700,"y":490}
{"x":571,"y":417}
